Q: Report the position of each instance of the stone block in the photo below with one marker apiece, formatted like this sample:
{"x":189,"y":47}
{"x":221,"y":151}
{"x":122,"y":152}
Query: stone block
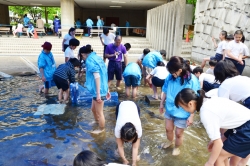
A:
{"x":197,"y":40}
{"x":207,"y":13}
{"x":207,"y":29}
{"x":247,"y":8}
{"x":210,"y":21}
{"x":247,"y":2}
{"x":211,"y":5}
{"x":235,"y":17}
{"x":203,"y":44}
{"x":242,"y":21}
{"x":213,"y":13}
{"x":229,"y":18}
{"x":219,"y":4}
{"x":151,"y":101}
{"x":215,"y":31}
{"x":228,"y":27}
{"x":247,"y":37}
{"x":204,"y":20}
{"x":199,"y":28}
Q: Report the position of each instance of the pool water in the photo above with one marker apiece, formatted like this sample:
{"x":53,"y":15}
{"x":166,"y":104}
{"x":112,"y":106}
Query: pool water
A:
{"x":28,"y":140}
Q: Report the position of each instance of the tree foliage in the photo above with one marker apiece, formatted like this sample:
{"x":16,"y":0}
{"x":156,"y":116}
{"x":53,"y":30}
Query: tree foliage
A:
{"x":35,"y":12}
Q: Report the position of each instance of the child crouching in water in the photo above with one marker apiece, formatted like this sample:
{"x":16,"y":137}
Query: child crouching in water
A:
{"x":65,"y":74}
{"x":219,"y":113}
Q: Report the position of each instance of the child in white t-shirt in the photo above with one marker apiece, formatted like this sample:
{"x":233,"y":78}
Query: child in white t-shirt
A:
{"x":220,"y":51}
{"x":69,"y":52}
{"x":207,"y":81}
{"x":219,"y":113}
{"x":67,"y":37}
{"x":212,"y":64}
{"x":18,"y":29}
{"x":158,"y":76}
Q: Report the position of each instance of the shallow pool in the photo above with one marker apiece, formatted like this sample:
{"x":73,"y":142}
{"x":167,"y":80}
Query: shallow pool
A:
{"x":50,"y":140}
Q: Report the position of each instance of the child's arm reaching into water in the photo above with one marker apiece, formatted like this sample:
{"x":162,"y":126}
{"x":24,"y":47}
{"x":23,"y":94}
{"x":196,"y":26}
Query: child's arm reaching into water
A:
{"x":162,"y":103}
{"x":215,"y":147}
{"x":121,"y":150}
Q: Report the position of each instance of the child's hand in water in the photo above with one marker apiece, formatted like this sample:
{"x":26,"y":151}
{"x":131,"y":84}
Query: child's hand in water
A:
{"x":125,"y":161}
{"x":161,"y":109}
{"x":108,"y":96}
{"x":190,"y":120}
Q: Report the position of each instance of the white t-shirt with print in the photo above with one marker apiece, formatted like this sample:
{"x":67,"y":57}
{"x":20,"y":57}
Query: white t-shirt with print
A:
{"x":108,"y":39}
{"x":128,"y":112}
{"x":235,"y":88}
{"x":222,"y":113}
{"x":69,"y":53}
{"x":160,"y":72}
{"x":235,"y":48}
{"x":67,"y":38}
{"x":221,"y":47}
{"x":207,"y":77}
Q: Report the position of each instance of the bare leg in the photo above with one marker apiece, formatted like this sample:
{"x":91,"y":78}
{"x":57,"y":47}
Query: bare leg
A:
{"x":31,"y":34}
{"x":28,"y":34}
{"x":98,"y":109}
{"x":109,"y":83}
{"x":178,"y":140}
{"x":243,"y":162}
{"x":94,"y":110}
{"x":127,"y":89}
{"x":155,"y":92}
{"x":203,"y":64}
{"x":66,"y":95}
{"x":235,"y":160}
{"x":60,"y":95}
{"x":169,"y":124}
{"x":222,"y":157}
{"x":134,"y":91}
{"x":46,"y":91}
{"x":118,"y":82}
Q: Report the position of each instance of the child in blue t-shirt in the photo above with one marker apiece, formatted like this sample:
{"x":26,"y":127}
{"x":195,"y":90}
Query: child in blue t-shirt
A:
{"x":132,"y":78}
{"x":180,"y":77}
{"x":30,"y":29}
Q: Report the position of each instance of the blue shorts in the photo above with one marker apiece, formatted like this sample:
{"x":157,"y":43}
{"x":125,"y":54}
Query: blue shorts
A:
{"x":178,"y":122}
{"x":238,"y":140}
{"x":217,"y":57}
{"x":49,"y":84}
{"x":131,"y":80}
{"x":29,"y":30}
{"x":246,"y":103}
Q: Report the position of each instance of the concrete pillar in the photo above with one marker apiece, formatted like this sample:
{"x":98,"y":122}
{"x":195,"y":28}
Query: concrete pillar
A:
{"x":4,"y":14}
{"x":67,"y":15}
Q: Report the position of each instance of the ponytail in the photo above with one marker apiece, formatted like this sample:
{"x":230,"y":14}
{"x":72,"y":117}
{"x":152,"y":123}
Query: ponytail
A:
{"x":186,"y":95}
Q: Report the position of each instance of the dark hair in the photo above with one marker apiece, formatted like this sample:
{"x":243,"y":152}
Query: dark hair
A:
{"x":128,"y":132}
{"x":25,"y":15}
{"x":74,"y":42}
{"x":127,"y":45}
{"x":187,"y":62}
{"x":212,"y":63}
{"x":224,"y":33}
{"x":105,"y":31}
{"x":56,"y":16}
{"x":86,"y":49}
{"x":225,"y":69}
{"x":198,"y":69}
{"x":160,"y":63}
{"x":175,"y":63}
{"x":230,"y":37}
{"x":88,"y":158}
{"x":186,"y":95}
{"x":243,"y":39}
{"x":146,"y":51}
{"x":238,"y":32}
{"x":163,"y":53}
{"x":71,"y":30}
{"x":118,"y":36}
{"x":75,"y":62}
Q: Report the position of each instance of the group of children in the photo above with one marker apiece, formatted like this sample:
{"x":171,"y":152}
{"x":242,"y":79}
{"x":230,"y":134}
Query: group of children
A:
{"x":183,"y":92}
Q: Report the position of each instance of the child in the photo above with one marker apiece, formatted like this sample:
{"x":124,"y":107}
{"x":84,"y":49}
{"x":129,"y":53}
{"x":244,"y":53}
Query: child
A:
{"x":233,"y":86}
{"x":220,"y":51}
{"x":19,"y":29}
{"x":158,"y":76}
{"x":245,"y":52}
{"x":106,"y":39}
{"x":132,"y":77}
{"x":127,"y":46}
{"x":96,"y":83}
{"x":69,"y":52}
{"x":30,"y":29}
{"x":47,"y":67}
{"x":217,"y":113}
{"x":207,"y":81}
{"x":234,"y":51}
{"x":180,"y":77}
{"x":212,"y":64}
{"x":128,"y":129}
{"x":67,"y":37}
{"x":65,"y":74}
{"x":164,"y":54}
{"x":140,"y":59}
{"x":88,"y":158}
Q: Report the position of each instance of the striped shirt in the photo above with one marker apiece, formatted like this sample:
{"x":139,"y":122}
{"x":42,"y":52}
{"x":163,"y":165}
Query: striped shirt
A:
{"x":66,"y":71}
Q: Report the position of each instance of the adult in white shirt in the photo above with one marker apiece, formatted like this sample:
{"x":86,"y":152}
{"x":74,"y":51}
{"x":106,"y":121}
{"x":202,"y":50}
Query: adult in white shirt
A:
{"x":207,"y":81}
{"x":220,"y":113}
{"x":158,"y":76}
{"x":67,"y":37}
{"x":69,"y":52}
{"x":233,"y":86}
{"x":106,"y":39}
{"x":128,"y":129}
{"x":89,"y":158}
{"x":235,"y":50}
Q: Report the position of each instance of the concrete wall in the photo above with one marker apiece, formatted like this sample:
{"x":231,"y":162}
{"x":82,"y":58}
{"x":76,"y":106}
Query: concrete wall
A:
{"x":165,"y":27}
{"x":4,"y":14}
{"x":213,"y":16}
{"x":136,"y":18}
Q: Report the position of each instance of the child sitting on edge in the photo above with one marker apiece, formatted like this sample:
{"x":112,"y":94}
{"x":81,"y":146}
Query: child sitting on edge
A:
{"x":65,"y":74}
{"x":19,"y":29}
{"x":132,"y":78}
{"x":69,"y":52}
{"x":30,"y":29}
{"x":220,"y":51}
{"x":207,"y":81}
{"x":212,"y":64}
{"x":158,"y":76}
